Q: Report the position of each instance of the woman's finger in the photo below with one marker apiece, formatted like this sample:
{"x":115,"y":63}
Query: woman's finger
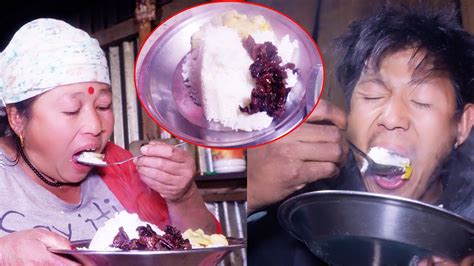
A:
{"x":156,"y":185}
{"x":163,"y":164}
{"x":158,"y":149}
{"x":158,"y":176}
{"x":166,"y":191}
{"x":52,"y":240}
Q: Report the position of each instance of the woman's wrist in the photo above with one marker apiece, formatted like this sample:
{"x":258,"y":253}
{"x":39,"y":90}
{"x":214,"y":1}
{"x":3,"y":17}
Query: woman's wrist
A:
{"x":191,"y":212}
{"x":189,"y":195}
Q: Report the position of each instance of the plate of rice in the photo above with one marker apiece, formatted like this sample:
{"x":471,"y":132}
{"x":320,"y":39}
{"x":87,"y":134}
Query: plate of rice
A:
{"x":229,"y":75}
{"x":127,"y":240}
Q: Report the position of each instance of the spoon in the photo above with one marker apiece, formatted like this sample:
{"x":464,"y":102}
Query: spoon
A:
{"x":98,"y":160}
{"x":378,"y":168}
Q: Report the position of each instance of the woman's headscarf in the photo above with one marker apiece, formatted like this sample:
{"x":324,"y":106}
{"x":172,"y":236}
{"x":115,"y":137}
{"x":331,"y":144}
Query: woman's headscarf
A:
{"x":46,"y":53}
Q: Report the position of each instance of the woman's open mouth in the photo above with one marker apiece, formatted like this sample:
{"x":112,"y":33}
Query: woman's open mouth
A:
{"x":77,"y":158}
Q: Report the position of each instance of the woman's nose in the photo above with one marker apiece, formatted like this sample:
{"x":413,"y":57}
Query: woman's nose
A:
{"x":92,"y":123}
{"x":395,"y":115}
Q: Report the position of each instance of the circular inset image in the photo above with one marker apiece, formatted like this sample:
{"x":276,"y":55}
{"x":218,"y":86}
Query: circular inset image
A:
{"x":229,"y":75}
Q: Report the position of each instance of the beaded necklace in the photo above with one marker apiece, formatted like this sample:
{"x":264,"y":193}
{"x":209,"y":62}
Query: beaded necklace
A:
{"x":46,"y":181}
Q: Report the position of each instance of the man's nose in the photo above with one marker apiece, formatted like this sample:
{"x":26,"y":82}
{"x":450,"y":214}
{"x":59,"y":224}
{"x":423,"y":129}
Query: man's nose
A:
{"x":395,"y":115}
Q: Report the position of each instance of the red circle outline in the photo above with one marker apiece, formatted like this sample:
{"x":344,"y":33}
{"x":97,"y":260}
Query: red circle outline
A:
{"x":230,"y":148}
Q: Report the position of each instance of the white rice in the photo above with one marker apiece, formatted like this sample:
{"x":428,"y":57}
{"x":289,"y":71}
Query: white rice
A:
{"x":219,"y":65}
{"x":384,"y":156}
{"x":104,"y":237}
{"x":91,"y":158}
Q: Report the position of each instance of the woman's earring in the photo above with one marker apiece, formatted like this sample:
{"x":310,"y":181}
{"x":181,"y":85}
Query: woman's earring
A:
{"x":456,"y":145}
{"x":22,"y":141}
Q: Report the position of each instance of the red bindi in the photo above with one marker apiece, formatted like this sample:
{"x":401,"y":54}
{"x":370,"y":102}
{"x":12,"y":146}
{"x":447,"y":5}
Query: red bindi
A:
{"x":91,"y":90}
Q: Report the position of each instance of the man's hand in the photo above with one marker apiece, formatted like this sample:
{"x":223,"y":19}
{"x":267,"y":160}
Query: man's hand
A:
{"x":312,"y":152}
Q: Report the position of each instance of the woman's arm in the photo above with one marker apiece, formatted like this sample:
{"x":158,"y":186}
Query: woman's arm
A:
{"x":190,"y":212}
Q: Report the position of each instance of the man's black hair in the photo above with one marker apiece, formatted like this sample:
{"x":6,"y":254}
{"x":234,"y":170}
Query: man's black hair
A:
{"x":443,"y":42}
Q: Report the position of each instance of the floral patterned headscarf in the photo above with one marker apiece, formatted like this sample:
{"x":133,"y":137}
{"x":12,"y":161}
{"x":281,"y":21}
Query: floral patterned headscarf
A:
{"x":46,"y":53}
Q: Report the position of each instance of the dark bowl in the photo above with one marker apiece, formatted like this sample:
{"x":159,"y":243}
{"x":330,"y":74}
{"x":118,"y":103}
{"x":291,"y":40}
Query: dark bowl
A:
{"x":360,"y":228}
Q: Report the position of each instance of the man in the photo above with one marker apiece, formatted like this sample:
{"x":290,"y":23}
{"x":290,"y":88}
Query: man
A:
{"x":408,"y":77}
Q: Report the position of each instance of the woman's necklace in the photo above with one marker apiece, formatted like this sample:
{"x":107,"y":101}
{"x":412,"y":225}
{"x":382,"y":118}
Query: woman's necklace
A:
{"x":46,"y":181}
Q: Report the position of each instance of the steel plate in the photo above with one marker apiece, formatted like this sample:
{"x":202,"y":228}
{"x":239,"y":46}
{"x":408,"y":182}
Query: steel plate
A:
{"x":343,"y":227}
{"x":160,"y":86}
{"x":201,"y":256}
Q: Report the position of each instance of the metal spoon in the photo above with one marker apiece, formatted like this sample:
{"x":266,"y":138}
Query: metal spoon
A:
{"x":103,"y":163}
{"x":378,"y":168}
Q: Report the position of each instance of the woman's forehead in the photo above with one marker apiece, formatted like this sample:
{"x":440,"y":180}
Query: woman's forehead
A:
{"x":78,"y":90}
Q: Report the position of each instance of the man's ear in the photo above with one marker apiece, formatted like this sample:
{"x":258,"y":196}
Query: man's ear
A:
{"x":465,"y":124}
{"x":16,"y":120}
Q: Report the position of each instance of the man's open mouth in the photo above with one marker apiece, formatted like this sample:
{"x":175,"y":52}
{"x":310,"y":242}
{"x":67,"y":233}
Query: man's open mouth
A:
{"x":389,"y":182}
{"x":390,"y":158}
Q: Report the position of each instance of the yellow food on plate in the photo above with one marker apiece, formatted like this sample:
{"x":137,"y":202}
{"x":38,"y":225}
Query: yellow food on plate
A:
{"x":199,"y":239}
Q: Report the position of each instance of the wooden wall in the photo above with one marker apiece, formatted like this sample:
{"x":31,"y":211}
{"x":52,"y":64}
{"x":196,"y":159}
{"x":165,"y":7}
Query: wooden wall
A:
{"x":467,"y":12}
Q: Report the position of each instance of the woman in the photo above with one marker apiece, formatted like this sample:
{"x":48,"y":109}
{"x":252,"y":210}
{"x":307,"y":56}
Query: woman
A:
{"x":55,"y":86}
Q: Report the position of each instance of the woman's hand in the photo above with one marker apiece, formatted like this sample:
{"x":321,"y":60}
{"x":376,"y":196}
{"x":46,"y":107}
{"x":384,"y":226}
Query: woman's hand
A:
{"x":29,"y":247}
{"x":168,"y":170}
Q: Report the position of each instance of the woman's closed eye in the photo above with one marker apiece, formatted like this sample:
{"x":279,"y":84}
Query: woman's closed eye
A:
{"x":105,"y":107}
{"x":71,"y":112}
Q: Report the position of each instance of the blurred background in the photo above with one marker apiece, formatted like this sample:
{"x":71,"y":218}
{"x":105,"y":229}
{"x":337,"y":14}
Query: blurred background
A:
{"x":121,"y":26}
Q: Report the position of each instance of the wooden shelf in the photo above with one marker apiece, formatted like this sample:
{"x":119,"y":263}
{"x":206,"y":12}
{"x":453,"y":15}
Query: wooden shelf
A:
{"x":224,"y":176}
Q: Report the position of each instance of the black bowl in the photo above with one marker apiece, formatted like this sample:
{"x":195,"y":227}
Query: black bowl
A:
{"x":348,"y":228}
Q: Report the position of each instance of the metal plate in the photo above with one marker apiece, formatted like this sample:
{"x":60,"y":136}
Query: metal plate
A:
{"x":344,"y":227}
{"x":202,"y":256}
{"x":160,"y":88}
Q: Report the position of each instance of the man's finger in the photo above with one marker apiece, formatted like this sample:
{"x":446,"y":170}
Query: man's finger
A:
{"x":313,"y":171}
{"x":316,"y":133}
{"x":317,"y":152}
{"x":327,"y":112}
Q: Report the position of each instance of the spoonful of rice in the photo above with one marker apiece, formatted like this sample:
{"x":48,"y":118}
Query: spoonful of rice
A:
{"x":97,"y":159}
{"x":383,"y":162}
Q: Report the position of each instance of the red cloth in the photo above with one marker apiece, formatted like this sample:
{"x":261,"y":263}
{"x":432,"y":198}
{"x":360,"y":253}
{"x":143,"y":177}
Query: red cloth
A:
{"x":135,"y":196}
